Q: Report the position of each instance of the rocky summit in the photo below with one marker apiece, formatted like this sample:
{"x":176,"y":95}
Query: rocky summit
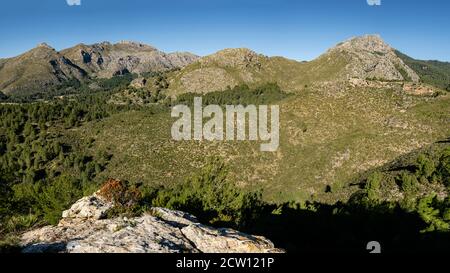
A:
{"x":369,"y":57}
{"x":84,"y":229}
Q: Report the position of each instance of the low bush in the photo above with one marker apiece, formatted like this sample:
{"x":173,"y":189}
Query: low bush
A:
{"x":48,"y":200}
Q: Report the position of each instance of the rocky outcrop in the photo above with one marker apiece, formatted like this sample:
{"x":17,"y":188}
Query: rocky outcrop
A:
{"x":371,"y":58}
{"x":84,"y":229}
{"x":418,"y":89}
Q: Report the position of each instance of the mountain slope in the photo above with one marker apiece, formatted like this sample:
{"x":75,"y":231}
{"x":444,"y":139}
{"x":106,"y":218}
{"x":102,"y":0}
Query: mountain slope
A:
{"x":327,"y":137}
{"x":366,"y":57}
{"x":43,"y":67}
{"x":232,"y":67}
{"x":38,"y":68}
{"x":431,"y":72}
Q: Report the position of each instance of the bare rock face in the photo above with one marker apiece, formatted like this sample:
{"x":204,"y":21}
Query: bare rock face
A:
{"x":418,"y":89}
{"x":105,"y":60}
{"x":83,"y":230}
{"x":89,"y":207}
{"x":371,"y":58}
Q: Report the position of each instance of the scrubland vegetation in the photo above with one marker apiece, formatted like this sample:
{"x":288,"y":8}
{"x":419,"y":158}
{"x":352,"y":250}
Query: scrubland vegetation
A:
{"x":53,"y":152}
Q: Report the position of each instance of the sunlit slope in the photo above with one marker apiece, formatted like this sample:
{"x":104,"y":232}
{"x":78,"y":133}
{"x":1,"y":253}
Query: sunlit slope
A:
{"x":327,"y":140}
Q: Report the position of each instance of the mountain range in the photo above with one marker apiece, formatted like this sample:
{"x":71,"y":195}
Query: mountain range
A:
{"x":366,"y":57}
{"x":44,"y":67}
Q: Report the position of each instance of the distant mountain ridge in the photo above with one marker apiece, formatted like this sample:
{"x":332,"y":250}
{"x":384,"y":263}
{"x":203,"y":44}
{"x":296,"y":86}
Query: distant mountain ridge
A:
{"x":44,"y":67}
{"x":431,"y":72}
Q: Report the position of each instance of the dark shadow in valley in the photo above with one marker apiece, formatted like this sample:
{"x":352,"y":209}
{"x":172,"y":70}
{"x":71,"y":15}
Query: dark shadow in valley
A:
{"x":345,"y":228}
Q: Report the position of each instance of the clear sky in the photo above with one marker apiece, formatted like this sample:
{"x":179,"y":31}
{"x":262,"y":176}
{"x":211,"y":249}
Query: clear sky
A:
{"x":297,"y":29}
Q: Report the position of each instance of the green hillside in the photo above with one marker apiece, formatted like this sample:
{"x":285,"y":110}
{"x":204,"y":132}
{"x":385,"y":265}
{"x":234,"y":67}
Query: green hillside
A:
{"x":327,"y":140}
{"x":431,"y":72}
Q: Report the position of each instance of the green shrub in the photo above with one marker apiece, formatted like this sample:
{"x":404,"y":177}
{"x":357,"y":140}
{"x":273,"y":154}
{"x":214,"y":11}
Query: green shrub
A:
{"x":5,"y":195}
{"x":429,"y":211}
{"x":373,"y":185}
{"x":408,"y":182}
{"x":211,"y":197}
{"x":444,"y":167}
{"x":241,"y":94}
{"x":425,"y":166}
{"x":47,"y":199}
{"x":18,"y":223}
{"x":10,"y":244}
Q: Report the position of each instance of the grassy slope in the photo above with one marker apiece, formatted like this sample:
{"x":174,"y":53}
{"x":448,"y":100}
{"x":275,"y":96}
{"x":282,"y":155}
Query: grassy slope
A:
{"x":326,"y":139}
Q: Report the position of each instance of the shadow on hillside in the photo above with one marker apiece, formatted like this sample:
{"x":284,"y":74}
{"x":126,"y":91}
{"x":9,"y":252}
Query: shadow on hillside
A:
{"x":342,"y":228}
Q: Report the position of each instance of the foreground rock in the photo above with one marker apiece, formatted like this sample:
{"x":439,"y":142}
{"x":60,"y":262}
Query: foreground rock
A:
{"x":83,"y":229}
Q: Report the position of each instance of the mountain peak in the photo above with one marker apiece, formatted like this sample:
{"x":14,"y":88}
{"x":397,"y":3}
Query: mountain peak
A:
{"x":135,"y":44}
{"x":44,"y":45}
{"x":370,"y":57}
{"x":233,"y":57}
{"x":370,"y":43}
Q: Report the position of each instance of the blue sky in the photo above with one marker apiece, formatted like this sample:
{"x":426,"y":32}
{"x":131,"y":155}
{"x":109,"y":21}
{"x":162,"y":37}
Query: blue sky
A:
{"x":297,"y":29}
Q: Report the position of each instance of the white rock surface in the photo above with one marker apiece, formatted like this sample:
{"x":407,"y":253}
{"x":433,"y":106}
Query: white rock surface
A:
{"x":89,"y":207}
{"x":83,"y":230}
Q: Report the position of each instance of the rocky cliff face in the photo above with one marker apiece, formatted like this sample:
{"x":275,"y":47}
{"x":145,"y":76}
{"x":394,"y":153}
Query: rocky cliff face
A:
{"x":106,"y":60}
{"x":84,"y":229}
